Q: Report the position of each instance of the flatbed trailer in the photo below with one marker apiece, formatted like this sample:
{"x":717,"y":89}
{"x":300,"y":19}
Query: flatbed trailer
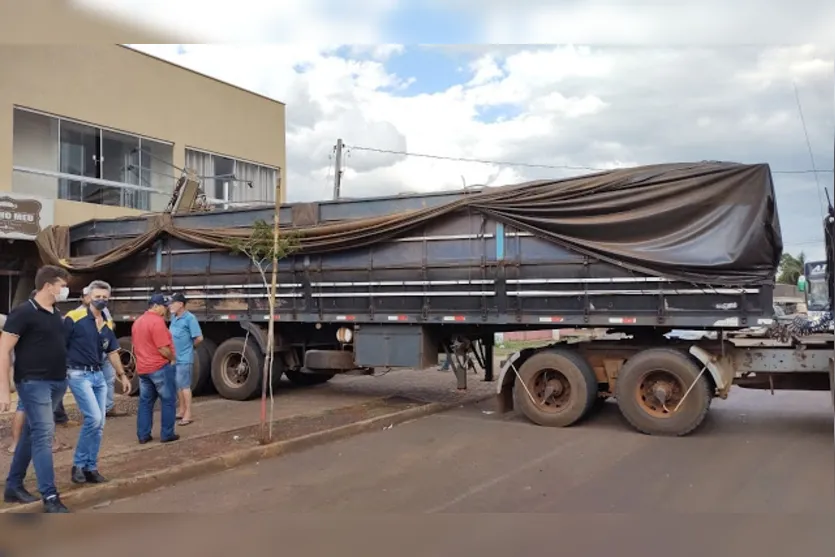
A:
{"x":445,"y":287}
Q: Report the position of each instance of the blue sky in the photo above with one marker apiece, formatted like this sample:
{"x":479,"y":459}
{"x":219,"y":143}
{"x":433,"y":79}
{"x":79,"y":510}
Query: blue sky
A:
{"x":555,"y":105}
{"x":432,"y":69}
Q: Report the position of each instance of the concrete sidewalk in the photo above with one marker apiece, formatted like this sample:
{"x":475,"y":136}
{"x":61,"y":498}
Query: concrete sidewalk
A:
{"x":223,"y":426}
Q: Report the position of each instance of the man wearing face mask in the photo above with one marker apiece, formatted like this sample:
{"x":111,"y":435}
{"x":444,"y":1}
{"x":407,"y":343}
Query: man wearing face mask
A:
{"x":107,"y":368}
{"x":88,"y":335}
{"x":34,"y":330}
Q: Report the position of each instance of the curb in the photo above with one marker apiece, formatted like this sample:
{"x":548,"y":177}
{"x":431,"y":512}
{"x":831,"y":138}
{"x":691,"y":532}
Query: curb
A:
{"x":122,"y":488}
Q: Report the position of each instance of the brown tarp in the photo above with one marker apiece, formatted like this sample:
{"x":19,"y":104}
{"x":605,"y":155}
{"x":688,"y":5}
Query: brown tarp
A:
{"x":707,"y":222}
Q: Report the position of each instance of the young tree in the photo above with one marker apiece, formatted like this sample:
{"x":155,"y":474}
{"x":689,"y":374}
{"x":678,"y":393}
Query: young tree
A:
{"x":265,"y":247}
{"x":791,"y":267}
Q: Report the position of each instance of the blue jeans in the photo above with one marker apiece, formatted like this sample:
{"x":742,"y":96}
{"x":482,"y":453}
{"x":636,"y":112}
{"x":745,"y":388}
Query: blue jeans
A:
{"x":40,"y":400}
{"x":110,"y":380}
{"x":90,"y":392}
{"x":183,"y":376}
{"x":159,"y":384}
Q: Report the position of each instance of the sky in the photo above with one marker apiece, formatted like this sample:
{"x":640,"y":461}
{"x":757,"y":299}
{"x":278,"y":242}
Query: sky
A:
{"x":674,"y":89}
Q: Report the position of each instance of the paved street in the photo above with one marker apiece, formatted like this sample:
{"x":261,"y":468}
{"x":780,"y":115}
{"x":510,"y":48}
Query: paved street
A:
{"x":756,"y":453}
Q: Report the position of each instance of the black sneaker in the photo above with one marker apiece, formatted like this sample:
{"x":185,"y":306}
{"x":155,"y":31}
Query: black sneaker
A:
{"x":146,"y":439}
{"x":18,"y":495}
{"x":175,"y":437}
{"x":93,"y":477}
{"x":53,"y":504}
{"x":77,"y":476}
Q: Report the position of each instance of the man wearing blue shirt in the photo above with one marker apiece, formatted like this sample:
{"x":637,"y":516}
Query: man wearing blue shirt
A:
{"x":88,"y":335}
{"x":185,"y":330}
{"x":107,"y":368}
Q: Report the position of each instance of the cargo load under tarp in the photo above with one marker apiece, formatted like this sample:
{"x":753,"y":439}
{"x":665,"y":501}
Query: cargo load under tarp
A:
{"x":706,"y":222}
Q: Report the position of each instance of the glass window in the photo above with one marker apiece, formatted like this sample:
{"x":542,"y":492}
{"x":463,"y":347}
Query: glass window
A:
{"x":228,"y":179}
{"x":119,"y":163}
{"x":224,"y":174}
{"x":156,"y":170}
{"x":35,"y":146}
{"x":257,"y":182}
{"x":49,"y":144}
{"x":80,"y":155}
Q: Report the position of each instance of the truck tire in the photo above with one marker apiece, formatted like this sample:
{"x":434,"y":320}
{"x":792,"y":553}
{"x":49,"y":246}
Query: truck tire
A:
{"x":129,"y":365}
{"x":303,"y":379}
{"x":662,"y":373}
{"x":562,"y":383}
{"x":237,"y":369}
{"x":201,"y":376}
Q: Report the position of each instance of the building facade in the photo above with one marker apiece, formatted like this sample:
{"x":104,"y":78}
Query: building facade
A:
{"x":101,"y":131}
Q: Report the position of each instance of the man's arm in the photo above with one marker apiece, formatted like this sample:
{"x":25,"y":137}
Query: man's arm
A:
{"x":116,"y":361}
{"x":167,"y":353}
{"x":15,"y":325}
{"x":195,"y":331}
{"x":69,"y":325}
{"x":113,"y":352}
{"x":162,"y":340}
{"x":7,"y":344}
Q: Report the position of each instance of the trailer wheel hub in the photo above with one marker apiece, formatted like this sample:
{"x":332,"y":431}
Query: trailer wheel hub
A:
{"x":662,"y":391}
{"x":552,"y":390}
{"x":659,"y":393}
{"x":235,"y":369}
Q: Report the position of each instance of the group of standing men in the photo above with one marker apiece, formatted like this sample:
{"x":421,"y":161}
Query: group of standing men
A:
{"x":52,"y":352}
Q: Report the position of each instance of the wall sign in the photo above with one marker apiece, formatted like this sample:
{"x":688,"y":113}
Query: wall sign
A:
{"x":22,"y":216}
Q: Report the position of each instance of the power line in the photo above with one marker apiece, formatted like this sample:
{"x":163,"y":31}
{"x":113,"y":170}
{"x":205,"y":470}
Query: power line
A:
{"x":808,"y":145}
{"x":463,"y":159}
{"x":531,"y":165}
{"x":806,"y":243}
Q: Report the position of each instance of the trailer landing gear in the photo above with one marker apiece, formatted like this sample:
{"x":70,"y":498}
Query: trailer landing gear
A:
{"x":661,"y":391}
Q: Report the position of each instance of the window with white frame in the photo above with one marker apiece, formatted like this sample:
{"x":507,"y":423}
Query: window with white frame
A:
{"x":231,"y":180}
{"x":54,"y":156}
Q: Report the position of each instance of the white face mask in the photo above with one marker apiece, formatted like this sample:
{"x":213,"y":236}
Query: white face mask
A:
{"x":63,"y":294}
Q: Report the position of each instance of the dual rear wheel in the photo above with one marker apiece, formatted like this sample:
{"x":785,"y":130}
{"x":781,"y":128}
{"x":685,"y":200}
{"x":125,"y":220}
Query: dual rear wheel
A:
{"x":237,"y":370}
{"x":234,"y":369}
{"x":201,"y":380}
{"x":558,"y":388}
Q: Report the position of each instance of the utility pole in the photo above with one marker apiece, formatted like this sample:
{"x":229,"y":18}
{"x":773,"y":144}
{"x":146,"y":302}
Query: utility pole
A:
{"x":337,"y":174}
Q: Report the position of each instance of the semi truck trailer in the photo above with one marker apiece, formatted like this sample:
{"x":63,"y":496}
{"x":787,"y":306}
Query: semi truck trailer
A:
{"x":400,"y":281}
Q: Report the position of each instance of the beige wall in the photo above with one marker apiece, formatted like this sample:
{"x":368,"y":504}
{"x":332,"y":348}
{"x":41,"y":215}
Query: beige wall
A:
{"x":118,"y":88}
{"x":73,"y":212}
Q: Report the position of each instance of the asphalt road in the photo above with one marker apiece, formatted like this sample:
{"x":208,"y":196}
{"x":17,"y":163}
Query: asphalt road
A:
{"x":414,"y":489}
{"x":755,"y":453}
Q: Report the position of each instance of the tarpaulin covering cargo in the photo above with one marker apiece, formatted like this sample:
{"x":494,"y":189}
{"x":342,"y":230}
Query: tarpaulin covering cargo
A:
{"x":705,"y":222}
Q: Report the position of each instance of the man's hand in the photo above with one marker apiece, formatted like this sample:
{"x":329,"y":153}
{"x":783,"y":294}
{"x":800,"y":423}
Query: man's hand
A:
{"x":5,"y":399}
{"x":126,"y":386}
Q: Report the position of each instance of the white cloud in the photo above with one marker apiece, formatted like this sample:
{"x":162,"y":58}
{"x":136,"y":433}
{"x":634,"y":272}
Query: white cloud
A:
{"x":593,"y":107}
{"x":312,"y":22}
{"x":672,"y":22}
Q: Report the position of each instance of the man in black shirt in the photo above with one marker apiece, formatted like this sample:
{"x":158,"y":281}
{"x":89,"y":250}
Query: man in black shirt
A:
{"x":34,"y":330}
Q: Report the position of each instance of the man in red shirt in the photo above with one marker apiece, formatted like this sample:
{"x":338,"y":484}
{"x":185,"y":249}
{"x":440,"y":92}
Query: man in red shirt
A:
{"x":153,"y":349}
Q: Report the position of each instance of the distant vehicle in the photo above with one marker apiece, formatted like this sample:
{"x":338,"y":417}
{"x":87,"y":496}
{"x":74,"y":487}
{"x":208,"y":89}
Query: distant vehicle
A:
{"x":816,"y":290}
